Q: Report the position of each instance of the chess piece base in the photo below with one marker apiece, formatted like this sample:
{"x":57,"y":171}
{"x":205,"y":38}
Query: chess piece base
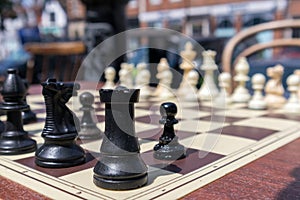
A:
{"x":16,"y":142}
{"x":59,"y":152}
{"x":89,"y":132}
{"x":171,"y":151}
{"x":257,"y":105}
{"x":121,"y":172}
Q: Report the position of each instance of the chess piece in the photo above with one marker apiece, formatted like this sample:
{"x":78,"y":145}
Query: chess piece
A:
{"x":208,"y":89}
{"x":257,"y":102}
{"x":293,"y":105}
{"x":168,"y":147}
{"x":142,"y":80}
{"x":297,"y":72}
{"x":188,"y":55}
{"x":88,"y":128}
{"x":13,"y":138}
{"x":120,"y":166}
{"x":223,"y":97}
{"x":191,"y":89}
{"x":165,"y":76}
{"x":110,"y":74}
{"x":59,"y":133}
{"x":241,"y":93}
{"x":28,"y":115}
{"x":274,"y":88}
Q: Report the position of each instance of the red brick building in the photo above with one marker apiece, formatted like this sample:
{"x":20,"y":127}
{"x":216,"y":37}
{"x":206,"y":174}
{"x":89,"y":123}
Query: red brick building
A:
{"x":202,"y":18}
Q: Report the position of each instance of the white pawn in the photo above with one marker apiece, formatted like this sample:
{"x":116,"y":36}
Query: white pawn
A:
{"x":110,"y":74}
{"x":293,"y":104}
{"x":162,"y":65}
{"x":257,"y":102}
{"x":123,"y":75}
{"x":188,"y":55}
{"x":224,"y":83}
{"x":241,"y":93}
{"x":191,"y":89}
{"x":209,"y":88}
{"x":129,"y":78}
{"x":142,"y":80}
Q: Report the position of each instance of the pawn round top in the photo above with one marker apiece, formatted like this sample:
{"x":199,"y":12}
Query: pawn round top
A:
{"x":293,"y":80}
{"x":258,"y":79}
{"x":141,"y":66}
{"x":242,"y":66}
{"x":168,"y":109}
{"x":224,"y":77}
{"x":86,"y":99}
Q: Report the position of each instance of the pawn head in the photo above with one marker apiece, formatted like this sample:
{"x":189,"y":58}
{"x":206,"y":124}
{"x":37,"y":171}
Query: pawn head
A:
{"x":168,"y":109}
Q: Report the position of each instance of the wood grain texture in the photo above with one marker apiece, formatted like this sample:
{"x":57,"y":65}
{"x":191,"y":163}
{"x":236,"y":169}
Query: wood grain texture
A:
{"x":11,"y":190}
{"x":274,"y":176}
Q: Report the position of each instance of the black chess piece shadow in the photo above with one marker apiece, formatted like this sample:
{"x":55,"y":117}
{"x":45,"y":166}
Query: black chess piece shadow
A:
{"x":154,"y":174}
{"x":292,"y":191}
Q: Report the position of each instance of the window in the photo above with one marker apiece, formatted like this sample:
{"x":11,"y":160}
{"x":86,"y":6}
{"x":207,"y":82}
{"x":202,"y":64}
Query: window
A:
{"x":155,"y":2}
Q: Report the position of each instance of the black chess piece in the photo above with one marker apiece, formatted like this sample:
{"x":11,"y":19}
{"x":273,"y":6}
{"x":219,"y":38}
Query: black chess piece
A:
{"x":13,"y":139}
{"x":168,"y":147}
{"x":28,"y":115}
{"x":60,"y":133}
{"x":88,"y":128}
{"x":120,"y":166}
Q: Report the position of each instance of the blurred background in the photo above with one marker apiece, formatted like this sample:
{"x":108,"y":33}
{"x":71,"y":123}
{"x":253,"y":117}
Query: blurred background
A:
{"x":209,"y":22}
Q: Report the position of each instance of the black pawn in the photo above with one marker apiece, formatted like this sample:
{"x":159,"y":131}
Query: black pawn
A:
{"x":168,"y":147}
{"x":60,"y":133}
{"x":120,"y":166}
{"x":14,"y":140}
{"x":28,"y":115}
{"x":88,"y":128}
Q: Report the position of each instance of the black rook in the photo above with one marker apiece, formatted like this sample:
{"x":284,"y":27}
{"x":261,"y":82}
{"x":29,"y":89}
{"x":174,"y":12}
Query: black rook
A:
{"x":120,"y":166}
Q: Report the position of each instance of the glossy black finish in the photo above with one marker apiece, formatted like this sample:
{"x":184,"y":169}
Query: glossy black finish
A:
{"x":28,"y":115}
{"x":168,"y":147}
{"x":13,"y":139}
{"x":120,"y":166}
{"x":88,"y":127}
{"x":59,"y":133}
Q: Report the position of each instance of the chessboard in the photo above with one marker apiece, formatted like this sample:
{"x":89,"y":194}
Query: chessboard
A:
{"x":218,"y":141}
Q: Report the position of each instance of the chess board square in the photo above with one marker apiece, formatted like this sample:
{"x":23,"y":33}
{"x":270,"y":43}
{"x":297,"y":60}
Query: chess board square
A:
{"x":267,"y":123}
{"x":156,"y":178}
{"x":149,"y":119}
{"x":57,"y":172}
{"x":183,"y":166}
{"x":154,"y":134}
{"x":281,"y":114}
{"x":221,"y":118}
{"x":199,"y":126}
{"x":254,"y":133}
{"x":243,"y":113}
{"x":215,"y":142}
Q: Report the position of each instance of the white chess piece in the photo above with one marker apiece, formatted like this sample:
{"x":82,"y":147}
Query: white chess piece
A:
{"x":162,"y":65}
{"x":297,"y":72}
{"x":208,"y":90}
{"x":166,"y":81}
{"x":123,"y":75}
{"x":241,"y":93}
{"x":110,"y":74}
{"x":142,"y":80}
{"x":257,"y":102}
{"x":293,"y":105}
{"x":165,"y":76}
{"x":188,"y":55}
{"x":274,"y":89}
{"x":191,"y":89}
{"x":224,"y":83}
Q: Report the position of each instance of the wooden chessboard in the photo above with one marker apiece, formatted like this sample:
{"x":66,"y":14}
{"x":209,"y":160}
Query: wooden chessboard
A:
{"x":218,"y":141}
